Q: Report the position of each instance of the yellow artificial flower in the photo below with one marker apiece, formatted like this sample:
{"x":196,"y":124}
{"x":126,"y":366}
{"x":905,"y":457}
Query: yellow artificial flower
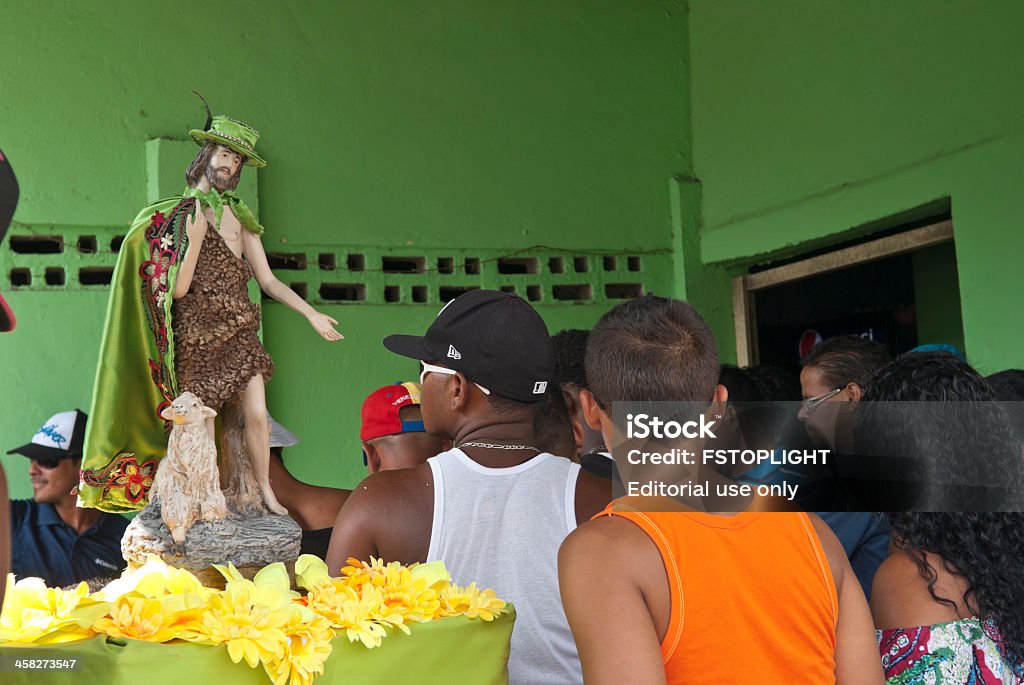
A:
{"x":358,"y":573}
{"x":357,"y":612}
{"x":306,"y":649}
{"x":152,"y":620}
{"x":153,"y":579}
{"x":371,"y":596}
{"x":249,"y":629}
{"x":411,"y":598}
{"x":471,"y":602}
{"x":35,"y":613}
{"x":310,"y":571}
{"x":270,"y":586}
{"x":434,"y":574}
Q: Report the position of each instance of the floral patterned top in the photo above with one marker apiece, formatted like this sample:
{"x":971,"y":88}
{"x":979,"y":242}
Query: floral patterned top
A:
{"x":964,"y":652}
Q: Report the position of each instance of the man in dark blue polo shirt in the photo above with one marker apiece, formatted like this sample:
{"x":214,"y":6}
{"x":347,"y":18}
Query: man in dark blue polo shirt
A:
{"x":51,"y":537}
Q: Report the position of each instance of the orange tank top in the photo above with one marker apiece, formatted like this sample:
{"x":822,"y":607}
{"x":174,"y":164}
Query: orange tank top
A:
{"x":753,"y":599}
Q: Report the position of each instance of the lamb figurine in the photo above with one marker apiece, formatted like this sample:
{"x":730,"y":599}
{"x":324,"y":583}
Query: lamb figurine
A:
{"x":187,"y":481}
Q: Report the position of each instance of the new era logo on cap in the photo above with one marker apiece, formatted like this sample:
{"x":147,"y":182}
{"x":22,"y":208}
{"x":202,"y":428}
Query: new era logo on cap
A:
{"x":453,"y":353}
{"x":539,"y":387}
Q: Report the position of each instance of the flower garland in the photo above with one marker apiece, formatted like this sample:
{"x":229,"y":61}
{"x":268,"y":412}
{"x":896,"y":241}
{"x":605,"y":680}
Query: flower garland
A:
{"x":261,"y":620}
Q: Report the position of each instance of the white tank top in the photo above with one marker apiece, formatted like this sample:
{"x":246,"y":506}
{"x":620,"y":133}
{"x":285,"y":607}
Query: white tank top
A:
{"x":502,"y":529}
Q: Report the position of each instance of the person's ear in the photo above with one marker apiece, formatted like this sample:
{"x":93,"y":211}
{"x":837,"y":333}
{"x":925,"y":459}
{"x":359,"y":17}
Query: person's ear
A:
{"x":574,"y":409}
{"x":372,"y":458}
{"x":592,"y":411}
{"x":458,"y":391}
{"x":855,"y":391}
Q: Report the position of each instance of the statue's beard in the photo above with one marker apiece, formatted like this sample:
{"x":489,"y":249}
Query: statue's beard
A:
{"x":219,"y":177}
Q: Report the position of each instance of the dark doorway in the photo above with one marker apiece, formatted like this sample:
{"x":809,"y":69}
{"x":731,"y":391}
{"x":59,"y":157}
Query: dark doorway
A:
{"x":901,"y":290}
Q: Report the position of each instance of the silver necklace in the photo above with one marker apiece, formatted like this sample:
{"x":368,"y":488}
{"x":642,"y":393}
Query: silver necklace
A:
{"x":492,"y":446}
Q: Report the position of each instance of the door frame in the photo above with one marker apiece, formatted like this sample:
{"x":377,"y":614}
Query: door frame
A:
{"x":744,"y":287}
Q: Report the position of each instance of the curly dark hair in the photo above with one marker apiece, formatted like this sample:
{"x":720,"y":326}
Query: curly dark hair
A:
{"x":985,"y":549}
{"x":570,"y":348}
{"x":1008,"y":385}
{"x":934,"y":420}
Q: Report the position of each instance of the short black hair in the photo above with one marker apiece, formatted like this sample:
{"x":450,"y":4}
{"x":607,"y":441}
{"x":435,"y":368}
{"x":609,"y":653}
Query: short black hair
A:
{"x":776,"y":383}
{"x":652,"y":349}
{"x":740,"y":385}
{"x":847,"y":359}
{"x":570,"y":348}
{"x":552,"y":428}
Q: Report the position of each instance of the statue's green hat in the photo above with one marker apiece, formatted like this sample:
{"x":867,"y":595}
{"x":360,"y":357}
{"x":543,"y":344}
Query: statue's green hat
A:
{"x":232,"y":134}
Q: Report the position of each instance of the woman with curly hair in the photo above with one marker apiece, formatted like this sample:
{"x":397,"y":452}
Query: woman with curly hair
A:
{"x":934,"y":439}
{"x":949,"y":604}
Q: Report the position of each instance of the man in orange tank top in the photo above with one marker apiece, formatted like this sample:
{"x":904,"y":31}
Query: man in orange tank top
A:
{"x":659,"y":592}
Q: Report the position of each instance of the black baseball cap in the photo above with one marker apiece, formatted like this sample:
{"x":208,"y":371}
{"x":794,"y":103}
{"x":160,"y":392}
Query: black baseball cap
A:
{"x":8,"y":201}
{"x":496,"y":339}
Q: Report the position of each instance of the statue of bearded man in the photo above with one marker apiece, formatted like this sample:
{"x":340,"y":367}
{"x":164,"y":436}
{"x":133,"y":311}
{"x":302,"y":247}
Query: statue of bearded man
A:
{"x":180,"y":318}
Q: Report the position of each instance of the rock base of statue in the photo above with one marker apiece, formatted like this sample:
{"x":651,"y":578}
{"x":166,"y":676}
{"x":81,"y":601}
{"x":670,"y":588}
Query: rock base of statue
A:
{"x":249,"y":542}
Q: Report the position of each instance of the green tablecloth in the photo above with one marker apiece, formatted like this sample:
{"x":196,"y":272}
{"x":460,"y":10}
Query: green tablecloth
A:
{"x":450,"y":650}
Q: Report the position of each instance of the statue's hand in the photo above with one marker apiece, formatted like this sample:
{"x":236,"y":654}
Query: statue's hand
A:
{"x":196,"y":225}
{"x":324,"y":325}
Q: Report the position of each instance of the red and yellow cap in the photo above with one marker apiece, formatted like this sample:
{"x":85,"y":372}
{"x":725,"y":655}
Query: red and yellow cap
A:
{"x":382,"y":411}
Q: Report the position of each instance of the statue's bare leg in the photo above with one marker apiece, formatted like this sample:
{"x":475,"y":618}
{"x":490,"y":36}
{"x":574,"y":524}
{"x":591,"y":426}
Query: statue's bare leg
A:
{"x":257,"y":440}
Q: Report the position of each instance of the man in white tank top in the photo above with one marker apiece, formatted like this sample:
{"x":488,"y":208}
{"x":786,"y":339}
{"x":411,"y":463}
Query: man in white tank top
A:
{"x":494,"y":508}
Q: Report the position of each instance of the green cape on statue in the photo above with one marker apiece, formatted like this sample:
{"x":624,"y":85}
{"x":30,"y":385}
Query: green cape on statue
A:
{"x":126,"y":437}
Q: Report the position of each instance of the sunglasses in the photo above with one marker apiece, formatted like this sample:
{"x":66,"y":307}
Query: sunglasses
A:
{"x":430,"y":368}
{"x":812,"y":403}
{"x":48,"y":464}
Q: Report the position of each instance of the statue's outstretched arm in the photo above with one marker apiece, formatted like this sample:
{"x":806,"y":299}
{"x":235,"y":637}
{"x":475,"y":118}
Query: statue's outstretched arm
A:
{"x":195,"y":227}
{"x":257,"y":258}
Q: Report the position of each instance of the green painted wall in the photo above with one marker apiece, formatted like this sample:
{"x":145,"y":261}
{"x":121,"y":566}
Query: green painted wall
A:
{"x":936,"y":294}
{"x":454,"y":127}
{"x":817,"y":120}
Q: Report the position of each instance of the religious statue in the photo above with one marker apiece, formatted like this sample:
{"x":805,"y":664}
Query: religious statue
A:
{"x":180,"y":321}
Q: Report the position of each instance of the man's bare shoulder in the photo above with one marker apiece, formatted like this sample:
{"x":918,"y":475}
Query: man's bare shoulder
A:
{"x":606,"y":537}
{"x":400,"y":488}
{"x":388,"y":515}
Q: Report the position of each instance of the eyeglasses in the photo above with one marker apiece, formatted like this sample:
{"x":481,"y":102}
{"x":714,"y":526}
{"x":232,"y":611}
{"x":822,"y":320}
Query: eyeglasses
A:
{"x":811,"y":403}
{"x":48,"y":464}
{"x":430,"y":368}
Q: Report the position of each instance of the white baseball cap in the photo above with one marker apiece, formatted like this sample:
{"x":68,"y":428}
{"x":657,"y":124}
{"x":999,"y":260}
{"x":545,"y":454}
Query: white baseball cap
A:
{"x":62,"y":436}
